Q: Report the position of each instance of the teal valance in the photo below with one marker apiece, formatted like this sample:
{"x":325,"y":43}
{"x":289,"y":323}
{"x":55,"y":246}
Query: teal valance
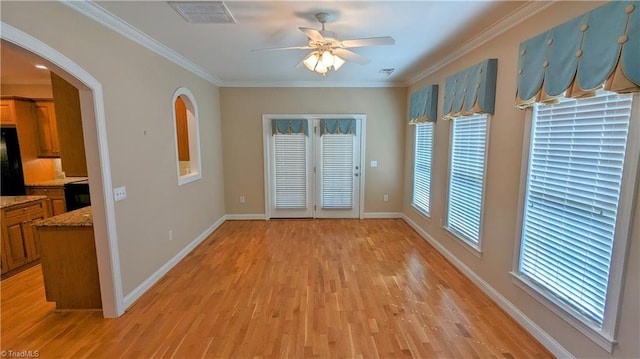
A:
{"x":423,"y":106}
{"x":471,"y":91}
{"x":598,"y":49}
{"x":346,"y":126}
{"x":288,"y":127}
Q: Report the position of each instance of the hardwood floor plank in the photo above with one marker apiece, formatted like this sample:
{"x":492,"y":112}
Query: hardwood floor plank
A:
{"x":283,"y":288}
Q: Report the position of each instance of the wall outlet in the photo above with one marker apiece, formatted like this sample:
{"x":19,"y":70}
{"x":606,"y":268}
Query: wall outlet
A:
{"x":241,"y":199}
{"x":170,"y":234}
{"x":374,"y":164}
{"x":386,"y":198}
{"x":120,"y":193}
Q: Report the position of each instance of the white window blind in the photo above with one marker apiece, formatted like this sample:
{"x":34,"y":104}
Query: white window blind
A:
{"x":290,"y":155}
{"x":337,"y":171}
{"x":466,"y":177}
{"x":422,"y":167}
{"x":573,"y":190}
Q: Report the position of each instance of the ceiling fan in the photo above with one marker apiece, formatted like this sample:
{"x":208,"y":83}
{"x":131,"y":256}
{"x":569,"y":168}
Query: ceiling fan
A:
{"x":329,"y":52}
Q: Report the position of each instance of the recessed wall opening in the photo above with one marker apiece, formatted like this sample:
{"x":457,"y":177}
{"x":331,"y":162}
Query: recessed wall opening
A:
{"x":185,"y":121}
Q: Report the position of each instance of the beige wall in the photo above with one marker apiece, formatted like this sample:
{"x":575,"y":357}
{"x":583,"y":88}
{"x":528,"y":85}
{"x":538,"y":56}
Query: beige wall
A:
{"x":138,"y":86}
{"x":502,"y":191}
{"x":242,"y":110}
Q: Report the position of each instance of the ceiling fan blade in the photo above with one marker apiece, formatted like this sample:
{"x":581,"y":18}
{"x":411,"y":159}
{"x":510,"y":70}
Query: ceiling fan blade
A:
{"x":371,"y":41}
{"x":285,"y":48}
{"x":312,"y":34}
{"x":351,"y":56}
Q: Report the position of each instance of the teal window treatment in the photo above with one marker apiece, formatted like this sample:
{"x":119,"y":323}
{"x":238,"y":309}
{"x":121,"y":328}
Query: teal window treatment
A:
{"x":595,"y":50}
{"x":471,"y":91}
{"x":423,"y":106}
{"x":346,"y":126}
{"x":284,"y":127}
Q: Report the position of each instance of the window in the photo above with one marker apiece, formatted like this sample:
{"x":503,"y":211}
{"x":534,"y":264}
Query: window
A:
{"x":466,"y":178}
{"x":575,"y":215}
{"x":422,"y":167}
{"x":185,"y":121}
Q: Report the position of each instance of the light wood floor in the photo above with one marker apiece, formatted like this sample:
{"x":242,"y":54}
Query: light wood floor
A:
{"x":283,"y":288}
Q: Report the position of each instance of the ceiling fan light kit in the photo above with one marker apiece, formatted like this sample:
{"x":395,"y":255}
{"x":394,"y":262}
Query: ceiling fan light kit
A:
{"x":330,"y":53}
{"x":323,"y":61}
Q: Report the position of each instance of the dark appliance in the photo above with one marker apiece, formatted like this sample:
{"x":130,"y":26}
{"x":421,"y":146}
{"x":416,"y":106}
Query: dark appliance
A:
{"x":12,"y":178}
{"x":76,"y":195}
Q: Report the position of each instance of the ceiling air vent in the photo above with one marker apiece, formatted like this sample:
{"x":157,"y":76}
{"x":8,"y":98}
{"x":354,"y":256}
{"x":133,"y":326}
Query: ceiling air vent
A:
{"x":203,"y":12}
{"x":387,"y":71}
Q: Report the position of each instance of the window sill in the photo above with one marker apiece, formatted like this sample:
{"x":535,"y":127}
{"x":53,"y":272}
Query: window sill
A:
{"x":421,"y":212}
{"x":566,"y":313}
{"x":465,"y":244}
{"x":191,"y":177}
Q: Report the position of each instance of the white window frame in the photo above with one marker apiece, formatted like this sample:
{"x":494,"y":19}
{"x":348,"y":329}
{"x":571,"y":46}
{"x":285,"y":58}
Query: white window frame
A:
{"x":424,"y":211}
{"x":194,"y":136}
{"x":605,"y":335}
{"x":474,"y":248}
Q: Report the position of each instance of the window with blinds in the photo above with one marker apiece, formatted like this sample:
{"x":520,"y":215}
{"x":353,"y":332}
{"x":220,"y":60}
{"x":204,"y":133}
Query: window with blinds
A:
{"x":290,"y":155}
{"x":337,"y":171}
{"x":576,"y":161}
{"x":422,"y":167}
{"x":466,"y":177}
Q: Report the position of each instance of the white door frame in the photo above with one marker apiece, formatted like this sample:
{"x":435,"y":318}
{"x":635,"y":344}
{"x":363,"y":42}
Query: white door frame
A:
{"x":266,"y":126}
{"x":94,"y":127}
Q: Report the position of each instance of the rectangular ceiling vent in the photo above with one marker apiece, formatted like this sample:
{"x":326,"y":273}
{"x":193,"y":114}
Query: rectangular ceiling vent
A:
{"x":203,"y":12}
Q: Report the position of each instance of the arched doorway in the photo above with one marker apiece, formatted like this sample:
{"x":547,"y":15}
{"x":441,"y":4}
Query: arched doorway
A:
{"x":98,"y":165}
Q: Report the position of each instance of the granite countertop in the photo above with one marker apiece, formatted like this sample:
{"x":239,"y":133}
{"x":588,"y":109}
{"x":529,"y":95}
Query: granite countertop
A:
{"x":82,"y":217}
{"x":57,"y":182}
{"x":8,"y":201}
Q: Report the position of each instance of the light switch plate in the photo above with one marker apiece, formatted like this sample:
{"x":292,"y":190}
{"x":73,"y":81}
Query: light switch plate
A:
{"x":120,"y":193}
{"x":374,"y":164}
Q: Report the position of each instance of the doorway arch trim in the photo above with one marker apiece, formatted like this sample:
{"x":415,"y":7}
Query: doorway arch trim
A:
{"x":108,"y":263}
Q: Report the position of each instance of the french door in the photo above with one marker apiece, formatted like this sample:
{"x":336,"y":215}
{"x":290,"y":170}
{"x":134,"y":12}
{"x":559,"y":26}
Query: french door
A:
{"x":313,"y":167}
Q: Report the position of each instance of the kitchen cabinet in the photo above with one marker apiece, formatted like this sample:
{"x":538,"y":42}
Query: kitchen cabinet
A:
{"x":18,"y":242}
{"x":55,"y":197}
{"x":66,"y":99}
{"x":7,"y":113}
{"x":69,"y":262}
{"x":48,"y":142}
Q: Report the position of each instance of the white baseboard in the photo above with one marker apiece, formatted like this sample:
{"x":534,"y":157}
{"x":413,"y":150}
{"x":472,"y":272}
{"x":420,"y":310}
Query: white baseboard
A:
{"x":130,"y":298}
{"x":371,"y":215}
{"x":529,"y":325}
{"x":244,"y":217}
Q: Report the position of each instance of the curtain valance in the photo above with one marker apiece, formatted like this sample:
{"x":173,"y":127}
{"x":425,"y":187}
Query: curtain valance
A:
{"x":423,"y":106}
{"x":471,"y":91}
{"x":288,"y":127}
{"x":578,"y":57}
{"x":347,"y":126}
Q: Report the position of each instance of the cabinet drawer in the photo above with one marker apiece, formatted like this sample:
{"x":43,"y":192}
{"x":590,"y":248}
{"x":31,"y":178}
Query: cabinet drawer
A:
{"x":25,"y":209}
{"x":46,"y":191}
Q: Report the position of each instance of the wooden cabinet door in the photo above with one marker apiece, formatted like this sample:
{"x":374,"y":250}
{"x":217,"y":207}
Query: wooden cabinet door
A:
{"x":3,"y":261}
{"x":6,"y":113}
{"x":33,"y":248}
{"x":58,"y":206}
{"x":17,"y":251}
{"x":48,"y":143}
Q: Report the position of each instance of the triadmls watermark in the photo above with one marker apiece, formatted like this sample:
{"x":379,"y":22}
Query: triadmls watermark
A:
{"x":20,"y":354}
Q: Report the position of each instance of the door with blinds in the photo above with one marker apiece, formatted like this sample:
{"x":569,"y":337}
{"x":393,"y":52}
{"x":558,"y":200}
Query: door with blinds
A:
{"x":313,"y":168}
{"x":337,"y":169}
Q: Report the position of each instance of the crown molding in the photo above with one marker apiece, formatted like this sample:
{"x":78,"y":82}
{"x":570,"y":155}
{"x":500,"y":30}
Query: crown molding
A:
{"x":26,"y":81}
{"x":514,"y":18}
{"x":104,"y":17}
{"x":311,"y":84}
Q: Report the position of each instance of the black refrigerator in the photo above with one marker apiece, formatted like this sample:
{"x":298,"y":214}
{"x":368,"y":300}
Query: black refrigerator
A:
{"x":12,"y":178}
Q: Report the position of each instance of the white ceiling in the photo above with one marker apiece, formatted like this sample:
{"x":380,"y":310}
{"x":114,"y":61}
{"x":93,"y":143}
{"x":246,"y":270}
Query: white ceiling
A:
{"x":425,"y":33}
